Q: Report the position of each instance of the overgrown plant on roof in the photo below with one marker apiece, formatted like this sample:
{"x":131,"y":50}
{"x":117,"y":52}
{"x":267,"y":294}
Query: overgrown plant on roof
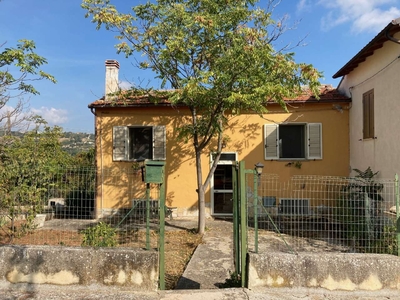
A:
{"x":216,"y":57}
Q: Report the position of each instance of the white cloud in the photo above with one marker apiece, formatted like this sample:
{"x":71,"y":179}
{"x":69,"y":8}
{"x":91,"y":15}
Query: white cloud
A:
{"x":363,"y":15}
{"x":124,"y":85}
{"x":375,"y":19}
{"x":52,"y":115}
{"x":304,"y":5}
{"x":6,"y":108}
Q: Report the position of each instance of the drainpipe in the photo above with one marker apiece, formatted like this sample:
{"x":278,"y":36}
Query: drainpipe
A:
{"x":391,"y":38}
{"x":98,"y":135}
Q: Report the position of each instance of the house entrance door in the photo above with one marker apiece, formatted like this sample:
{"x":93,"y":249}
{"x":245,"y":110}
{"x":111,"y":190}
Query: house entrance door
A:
{"x":222,"y":189}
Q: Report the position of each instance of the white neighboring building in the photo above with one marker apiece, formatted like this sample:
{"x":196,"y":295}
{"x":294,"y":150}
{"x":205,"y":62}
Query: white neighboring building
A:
{"x":372,"y":79}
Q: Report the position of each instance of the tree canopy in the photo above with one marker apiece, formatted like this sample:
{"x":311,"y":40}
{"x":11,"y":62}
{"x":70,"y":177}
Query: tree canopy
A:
{"x":218,"y":58}
{"x":20,"y":66}
{"x":28,"y":167}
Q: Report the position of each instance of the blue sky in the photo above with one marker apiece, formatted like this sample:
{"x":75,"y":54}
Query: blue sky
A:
{"x":334,"y":31}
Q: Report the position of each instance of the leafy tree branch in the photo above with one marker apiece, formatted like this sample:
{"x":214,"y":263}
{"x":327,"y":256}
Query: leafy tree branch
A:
{"x":20,"y":66}
{"x":217,"y":56}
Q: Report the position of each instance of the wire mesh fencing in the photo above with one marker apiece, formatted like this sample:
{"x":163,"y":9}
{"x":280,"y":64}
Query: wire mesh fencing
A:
{"x":64,"y":207}
{"x":322,"y":213}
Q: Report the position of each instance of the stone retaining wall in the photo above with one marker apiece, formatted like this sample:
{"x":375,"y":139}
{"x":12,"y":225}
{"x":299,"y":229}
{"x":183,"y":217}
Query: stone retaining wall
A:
{"x":77,"y":265}
{"x":332,"y":271}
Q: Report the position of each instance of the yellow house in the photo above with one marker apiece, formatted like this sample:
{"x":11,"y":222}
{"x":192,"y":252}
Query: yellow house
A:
{"x":310,"y":139}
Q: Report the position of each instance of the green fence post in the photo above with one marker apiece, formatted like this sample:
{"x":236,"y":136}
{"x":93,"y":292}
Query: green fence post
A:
{"x":147,"y":216}
{"x":243,"y":222}
{"x":162,"y":237}
{"x":235,"y":199}
{"x":155,"y":171}
{"x":396,"y":180}
{"x":255,"y":201}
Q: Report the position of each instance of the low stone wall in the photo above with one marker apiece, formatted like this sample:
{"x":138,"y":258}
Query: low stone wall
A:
{"x":77,"y":265}
{"x":332,"y":271}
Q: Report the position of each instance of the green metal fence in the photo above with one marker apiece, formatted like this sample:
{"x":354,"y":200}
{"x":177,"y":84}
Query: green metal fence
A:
{"x":314,"y":214}
{"x":323,"y":213}
{"x":61,"y":209}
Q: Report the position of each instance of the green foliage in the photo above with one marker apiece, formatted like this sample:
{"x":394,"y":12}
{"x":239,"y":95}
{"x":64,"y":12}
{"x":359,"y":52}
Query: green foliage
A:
{"x":85,"y":158}
{"x":28,"y":166}
{"x":27,"y":63}
{"x":217,"y":57}
{"x":19,"y":67}
{"x":80,"y":182}
{"x":387,"y":244}
{"x":101,"y":235}
{"x":234,"y":280}
{"x":359,"y":210}
{"x":136,"y":166}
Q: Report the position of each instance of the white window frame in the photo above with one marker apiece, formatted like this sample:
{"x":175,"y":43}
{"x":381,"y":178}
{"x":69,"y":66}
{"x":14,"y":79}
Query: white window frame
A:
{"x":121,"y":142}
{"x":313,"y":142}
{"x":212,"y":190}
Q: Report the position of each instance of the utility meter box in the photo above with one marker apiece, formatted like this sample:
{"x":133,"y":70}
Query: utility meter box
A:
{"x":154,"y":171}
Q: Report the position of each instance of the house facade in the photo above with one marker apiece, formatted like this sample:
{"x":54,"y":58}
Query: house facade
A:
{"x":371,"y":79}
{"x":310,"y":139}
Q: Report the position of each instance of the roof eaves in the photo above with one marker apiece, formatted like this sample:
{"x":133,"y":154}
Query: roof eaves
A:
{"x":376,"y":43}
{"x":345,"y":100}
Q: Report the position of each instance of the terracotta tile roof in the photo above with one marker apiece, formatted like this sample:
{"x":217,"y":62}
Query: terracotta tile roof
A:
{"x":376,"y":43}
{"x":327,"y":94}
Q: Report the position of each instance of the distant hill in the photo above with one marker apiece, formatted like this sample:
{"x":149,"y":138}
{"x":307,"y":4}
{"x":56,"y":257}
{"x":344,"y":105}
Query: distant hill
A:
{"x":75,"y":142}
{"x":71,"y":142}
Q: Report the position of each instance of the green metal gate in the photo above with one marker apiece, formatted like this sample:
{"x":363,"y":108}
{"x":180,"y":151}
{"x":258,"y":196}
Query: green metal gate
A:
{"x":240,"y":213}
{"x":153,"y":174}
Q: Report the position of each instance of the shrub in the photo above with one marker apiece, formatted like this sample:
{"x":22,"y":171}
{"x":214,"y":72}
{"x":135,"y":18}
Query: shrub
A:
{"x":359,"y":210}
{"x":101,"y":235}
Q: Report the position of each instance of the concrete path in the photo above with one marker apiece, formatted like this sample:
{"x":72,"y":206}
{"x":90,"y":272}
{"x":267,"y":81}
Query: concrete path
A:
{"x":212,"y":261}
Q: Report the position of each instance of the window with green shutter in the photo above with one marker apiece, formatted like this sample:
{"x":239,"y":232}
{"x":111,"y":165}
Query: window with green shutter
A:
{"x":293,"y":141}
{"x":137,"y":143}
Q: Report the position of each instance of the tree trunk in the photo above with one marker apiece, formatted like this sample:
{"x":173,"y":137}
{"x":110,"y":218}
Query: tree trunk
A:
{"x":200,"y":196}
{"x":202,"y":212}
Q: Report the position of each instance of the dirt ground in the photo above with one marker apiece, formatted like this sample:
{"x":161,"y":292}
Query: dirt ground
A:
{"x":180,"y":243}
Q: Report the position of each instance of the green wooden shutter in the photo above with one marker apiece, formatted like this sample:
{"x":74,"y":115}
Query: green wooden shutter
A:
{"x":314,"y":132}
{"x":159,"y":143}
{"x":271,"y":138}
{"x":368,"y":115}
{"x":120,"y":143}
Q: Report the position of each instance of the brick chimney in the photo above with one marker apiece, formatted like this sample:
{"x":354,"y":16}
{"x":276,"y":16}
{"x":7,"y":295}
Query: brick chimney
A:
{"x":112,"y":68}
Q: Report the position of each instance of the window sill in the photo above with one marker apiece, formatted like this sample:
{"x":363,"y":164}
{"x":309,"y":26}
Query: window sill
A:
{"x":368,"y":139}
{"x":292,"y":159}
{"x":287,"y":160}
